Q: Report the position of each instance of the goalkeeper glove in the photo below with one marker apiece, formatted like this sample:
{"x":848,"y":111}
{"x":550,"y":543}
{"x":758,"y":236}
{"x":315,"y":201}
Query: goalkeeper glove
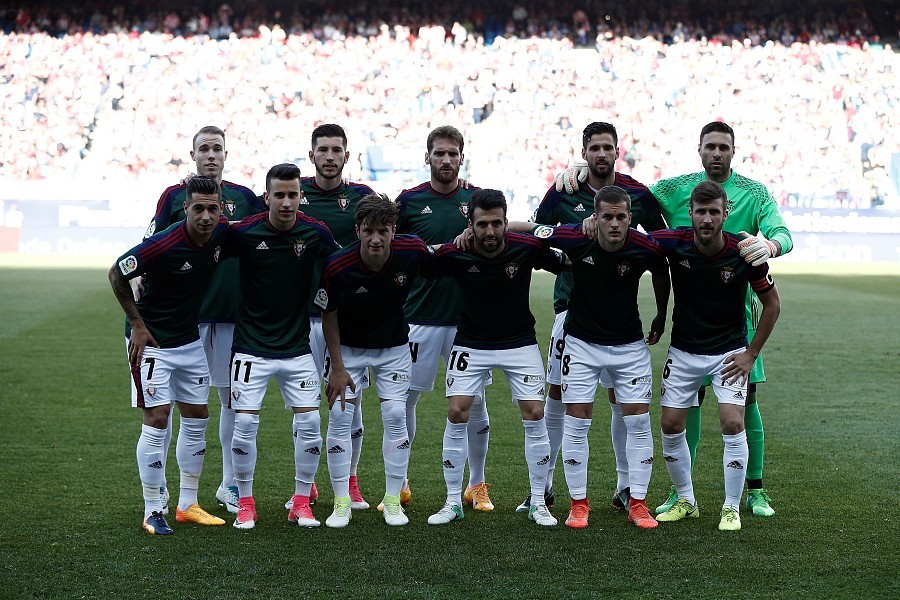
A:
{"x":570,"y":178}
{"x":756,"y":249}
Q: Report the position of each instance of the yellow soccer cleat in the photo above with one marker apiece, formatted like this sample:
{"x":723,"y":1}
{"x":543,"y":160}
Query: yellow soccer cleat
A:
{"x":682,"y":509}
{"x":195,"y":514}
{"x":731,"y":520}
{"x":477,"y":497}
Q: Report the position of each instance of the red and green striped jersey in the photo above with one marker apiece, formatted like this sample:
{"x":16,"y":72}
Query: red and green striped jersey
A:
{"x":603,"y":306}
{"x":495,"y":313}
{"x":220,"y":302}
{"x":176,"y":274}
{"x":276,"y":276}
{"x":437,"y":219}
{"x":708,"y":317}
{"x":370,"y":303}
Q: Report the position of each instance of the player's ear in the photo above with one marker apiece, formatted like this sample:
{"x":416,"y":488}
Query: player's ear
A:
{"x":427,"y":158}
{"x":312,"y":157}
{"x":266,"y":197}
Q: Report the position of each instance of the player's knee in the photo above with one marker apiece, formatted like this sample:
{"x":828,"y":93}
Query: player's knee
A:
{"x":555,"y":392}
{"x":732,"y":426}
{"x":458,"y":414}
{"x":580,"y":410}
{"x":671,"y":423}
{"x":157,"y":417}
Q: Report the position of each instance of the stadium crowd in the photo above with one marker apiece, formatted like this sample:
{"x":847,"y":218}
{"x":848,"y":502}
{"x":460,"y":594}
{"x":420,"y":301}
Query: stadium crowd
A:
{"x":109,"y":95}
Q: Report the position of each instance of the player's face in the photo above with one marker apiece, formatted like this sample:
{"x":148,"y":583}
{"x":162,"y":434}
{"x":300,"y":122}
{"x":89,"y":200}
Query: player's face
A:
{"x":375,"y":238}
{"x":600,"y":153}
{"x":613,"y":219}
{"x":489,"y":227}
{"x":283,"y":198}
{"x":707,"y":219}
{"x":202,"y":212}
{"x":445,"y":160}
{"x":716,"y":151}
{"x":209,"y":154}
{"x":329,"y":156}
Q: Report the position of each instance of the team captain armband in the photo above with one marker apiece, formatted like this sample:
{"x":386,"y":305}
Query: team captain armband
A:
{"x":763,"y":282}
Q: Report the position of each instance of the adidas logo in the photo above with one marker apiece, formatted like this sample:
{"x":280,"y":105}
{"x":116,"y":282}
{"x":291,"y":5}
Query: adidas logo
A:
{"x":670,"y":458}
{"x":239,"y":452}
{"x":685,"y":264}
{"x":448,"y":465}
{"x":361,"y":290}
{"x":404,"y":445}
{"x":186,"y":266}
{"x":474,"y":269}
{"x":544,"y":461}
{"x":579,"y":208}
{"x":262,"y":246}
{"x":735,"y":465}
{"x":156,"y":465}
{"x":738,"y":394}
{"x":426,"y":210}
{"x":571,"y":462}
{"x":485,"y":430}
{"x":336,"y":450}
{"x":199,"y":452}
{"x":589,"y":260}
{"x":314,"y":450}
{"x":357,"y":434}
{"x":647,"y":461}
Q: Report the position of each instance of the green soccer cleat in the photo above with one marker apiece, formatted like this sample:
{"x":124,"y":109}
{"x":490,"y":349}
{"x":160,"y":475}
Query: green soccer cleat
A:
{"x":760,"y":503}
{"x":731,"y":520}
{"x":670,"y":501}
{"x":682,"y":509}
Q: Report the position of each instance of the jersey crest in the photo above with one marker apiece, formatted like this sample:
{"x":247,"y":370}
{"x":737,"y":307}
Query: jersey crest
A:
{"x":623,"y":269}
{"x":343,"y":202}
{"x":400,"y":279}
{"x":464,"y":210}
{"x":216,"y":253}
{"x":229,"y":207}
{"x":512,"y":269}
{"x":299,"y":247}
{"x":727,"y":275}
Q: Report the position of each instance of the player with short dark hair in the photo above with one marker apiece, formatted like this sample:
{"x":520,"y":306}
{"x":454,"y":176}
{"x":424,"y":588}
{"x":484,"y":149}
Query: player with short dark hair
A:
{"x":166,"y":355}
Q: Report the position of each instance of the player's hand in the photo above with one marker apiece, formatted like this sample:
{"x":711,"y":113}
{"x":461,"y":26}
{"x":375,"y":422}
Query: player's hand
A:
{"x":188,"y":177}
{"x":756,"y":249}
{"x":137,"y":287}
{"x":737,"y":368}
{"x":338,"y":382}
{"x":464,"y":184}
{"x":590,"y":228}
{"x":571,"y":178}
{"x":140,"y":339}
{"x":657,"y":327}
{"x":464,"y":240}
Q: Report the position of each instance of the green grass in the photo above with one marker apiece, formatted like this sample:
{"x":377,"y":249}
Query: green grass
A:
{"x":70,"y":505}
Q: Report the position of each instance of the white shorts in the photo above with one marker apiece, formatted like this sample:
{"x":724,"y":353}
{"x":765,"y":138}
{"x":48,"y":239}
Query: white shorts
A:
{"x":168,"y":375}
{"x":391,"y":367}
{"x":297,"y":378}
{"x":217,"y":339}
{"x":318,"y":350}
{"x":555,"y":353}
{"x":469,"y":368}
{"x":627,"y":366}
{"x":684,"y":374}
{"x":427,"y":345}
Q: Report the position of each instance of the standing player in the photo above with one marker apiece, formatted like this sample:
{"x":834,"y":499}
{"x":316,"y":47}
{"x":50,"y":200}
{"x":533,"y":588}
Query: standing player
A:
{"x":600,"y":150}
{"x":220,"y":302}
{"x":164,"y":349}
{"x":436,"y":212}
{"x":277,"y":251}
{"x":496,"y":329}
{"x":603,"y":334}
{"x":363,"y":291}
{"x":709,"y":339}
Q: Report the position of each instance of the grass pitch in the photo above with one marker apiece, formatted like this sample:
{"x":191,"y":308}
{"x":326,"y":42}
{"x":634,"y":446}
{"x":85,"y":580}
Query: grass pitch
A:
{"x":71,"y":508}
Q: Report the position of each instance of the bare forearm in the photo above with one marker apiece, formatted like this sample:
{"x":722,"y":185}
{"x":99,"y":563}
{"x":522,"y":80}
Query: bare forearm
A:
{"x":332,"y":334}
{"x":771,"y":309}
{"x":122,"y":289}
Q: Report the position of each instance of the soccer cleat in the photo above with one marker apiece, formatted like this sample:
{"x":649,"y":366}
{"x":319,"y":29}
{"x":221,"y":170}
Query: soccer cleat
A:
{"x":731,"y":519}
{"x":549,"y":498}
{"x":477,"y":497}
{"x":155,"y":524}
{"x":313,"y":495}
{"x":341,"y":515}
{"x":540,"y":514}
{"x":246,"y":515}
{"x":227,"y":496}
{"x":195,"y":514}
{"x":301,"y":512}
{"x":393,"y":512}
{"x":405,"y":497}
{"x":670,"y":501}
{"x":356,"y":500}
{"x":164,"y":500}
{"x":449,"y":512}
{"x":621,"y":499}
{"x":759,"y":502}
{"x":578,"y":514}
{"x":680,"y":510}
{"x":640,"y":516}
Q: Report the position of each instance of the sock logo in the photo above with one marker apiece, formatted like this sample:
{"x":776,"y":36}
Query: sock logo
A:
{"x":357,"y":434}
{"x":571,"y":462}
{"x":448,"y":464}
{"x":544,"y":461}
{"x":315,"y":450}
{"x":156,"y":465}
{"x":735,"y":465}
{"x":670,"y":459}
{"x":199,"y":452}
{"x":647,"y":461}
{"x":404,"y":445}
{"x":239,"y":452}
{"x":336,"y":450}
{"x":484,"y":430}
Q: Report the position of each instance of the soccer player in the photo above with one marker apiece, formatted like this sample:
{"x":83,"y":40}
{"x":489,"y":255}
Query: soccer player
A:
{"x":603,"y":334}
{"x":220,"y":302}
{"x":709,"y":339}
{"x":496,"y":330}
{"x":277,"y":251}
{"x":363,"y":290}
{"x":436,"y":212}
{"x":600,"y":150}
{"x":164,"y":348}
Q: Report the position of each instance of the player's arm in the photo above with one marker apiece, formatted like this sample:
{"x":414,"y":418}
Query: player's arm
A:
{"x":338,"y":377}
{"x":739,"y":364}
{"x":662,"y":284}
{"x":140,"y":335}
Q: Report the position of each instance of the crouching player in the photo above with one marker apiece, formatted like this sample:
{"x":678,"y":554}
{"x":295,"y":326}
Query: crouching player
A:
{"x":364,"y":287}
{"x":164,"y":349}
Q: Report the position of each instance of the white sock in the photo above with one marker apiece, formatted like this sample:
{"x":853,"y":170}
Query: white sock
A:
{"x":190,"y":450}
{"x":394,"y":446}
{"x":412,"y":398}
{"x":734,"y":462}
{"x":639,"y":450}
{"x":454,"y":456}
{"x":537,"y":456}
{"x":575,"y":450}
{"x":338,"y":447}
{"x":619,"y":434}
{"x":678,"y":464}
{"x":226,"y":432}
{"x":554,"y":413}
{"x":150,"y":466}
{"x":356,"y":438}
{"x":243,"y":452}
{"x":307,"y":449}
{"x":479,"y":434}
{"x":168,"y":442}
